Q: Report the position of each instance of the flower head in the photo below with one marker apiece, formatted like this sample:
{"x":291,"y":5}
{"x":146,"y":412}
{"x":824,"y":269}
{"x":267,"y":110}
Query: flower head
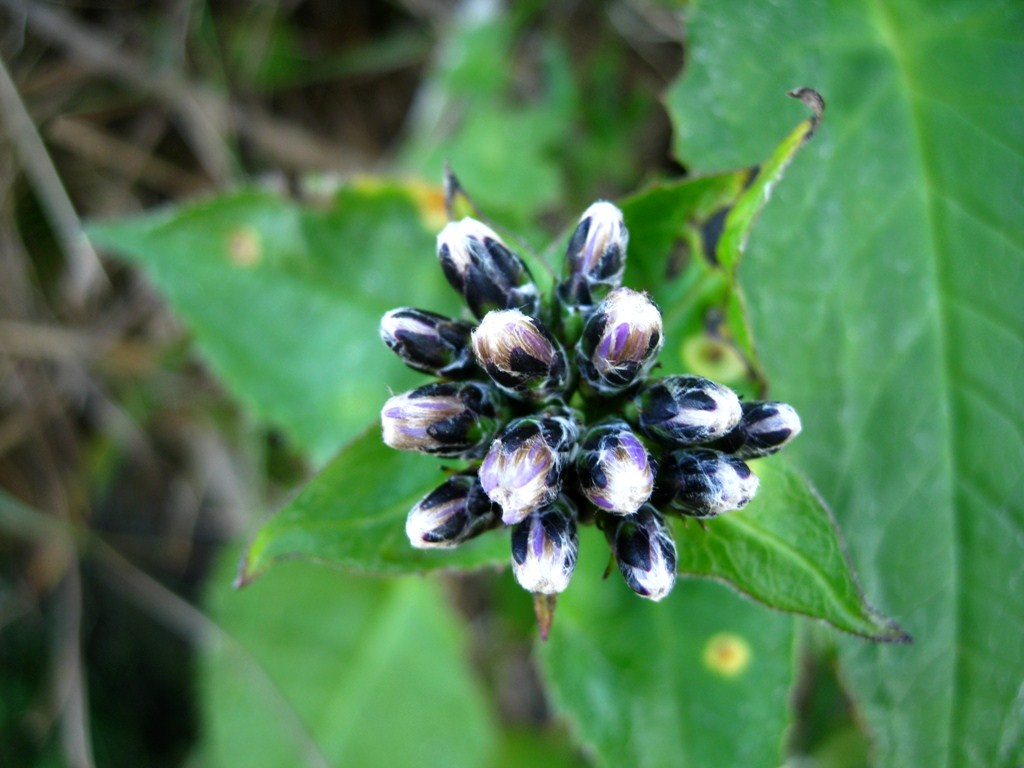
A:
{"x":545,"y":546}
{"x":645,"y":552}
{"x":520,"y":356}
{"x":559,"y":439}
{"x":705,"y":483}
{"x":614,"y":469}
{"x":620,"y":341}
{"x":483,"y":270}
{"x":453,"y":420}
{"x":596,"y":256}
{"x":687,"y":410}
{"x":429,"y":342}
{"x":524,"y":467}
{"x":764,"y":428}
{"x":453,"y":512}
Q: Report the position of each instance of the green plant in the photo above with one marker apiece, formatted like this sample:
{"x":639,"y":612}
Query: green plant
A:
{"x":880,"y":292}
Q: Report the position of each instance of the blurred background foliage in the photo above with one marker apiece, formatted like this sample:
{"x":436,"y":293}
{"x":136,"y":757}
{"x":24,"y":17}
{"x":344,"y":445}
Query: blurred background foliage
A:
{"x":155,"y":410}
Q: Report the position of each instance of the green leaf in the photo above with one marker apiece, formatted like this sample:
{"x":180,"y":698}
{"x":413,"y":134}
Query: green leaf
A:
{"x":884,"y":292}
{"x":285,"y":301}
{"x":699,"y":679}
{"x":316,"y":668}
{"x":352,"y":515}
{"x":784,"y":550}
{"x":752,"y":550}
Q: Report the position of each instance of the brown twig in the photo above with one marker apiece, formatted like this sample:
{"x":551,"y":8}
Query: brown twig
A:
{"x":102,"y":149}
{"x":69,"y":676}
{"x":205,"y":116}
{"x":85,"y":272}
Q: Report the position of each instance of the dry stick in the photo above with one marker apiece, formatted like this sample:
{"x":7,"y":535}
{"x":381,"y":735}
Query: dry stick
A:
{"x":124,"y":158}
{"x":69,"y":676}
{"x":203,"y":113}
{"x":85,"y":272}
{"x":69,"y":685}
{"x":177,"y":614}
{"x":200,"y":121}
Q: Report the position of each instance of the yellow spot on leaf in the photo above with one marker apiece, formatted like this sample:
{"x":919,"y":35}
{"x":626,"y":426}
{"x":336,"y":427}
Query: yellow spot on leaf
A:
{"x":726,"y":654}
{"x":245,"y":248}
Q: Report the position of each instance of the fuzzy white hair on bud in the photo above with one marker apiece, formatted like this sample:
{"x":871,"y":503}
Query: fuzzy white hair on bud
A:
{"x":614,"y":470}
{"x":632,"y":331}
{"x":706,"y":483}
{"x":459,"y":238}
{"x":686,"y":410}
{"x":545,"y":546}
{"x":607,"y":228}
{"x":645,"y":552}
{"x":502,"y":332}
{"x":406,"y":419}
{"x":523,"y":469}
{"x":519,"y":355}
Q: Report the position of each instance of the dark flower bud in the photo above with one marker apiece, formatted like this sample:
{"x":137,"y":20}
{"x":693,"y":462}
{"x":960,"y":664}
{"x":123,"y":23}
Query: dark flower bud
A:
{"x":645,"y":551}
{"x":524,"y":467}
{"x":520,"y":356}
{"x":764,"y":428}
{"x":705,"y":483}
{"x":614,"y":470}
{"x":686,"y":410}
{"x":482,"y":268}
{"x":455,"y":511}
{"x":452,"y":420}
{"x":429,"y":342}
{"x":545,"y":546}
{"x":620,"y":341}
{"x":596,"y":256}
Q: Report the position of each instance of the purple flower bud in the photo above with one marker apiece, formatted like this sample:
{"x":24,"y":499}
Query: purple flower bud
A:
{"x":482,"y":268}
{"x":764,"y":428}
{"x":645,"y":551}
{"x":686,"y":410}
{"x":520,"y":356}
{"x":614,"y":469}
{"x":455,"y":511}
{"x":596,"y":256}
{"x":429,"y":342}
{"x":620,"y":341}
{"x":705,"y":483}
{"x":523,"y":468}
{"x":545,"y":546}
{"x":452,"y":420}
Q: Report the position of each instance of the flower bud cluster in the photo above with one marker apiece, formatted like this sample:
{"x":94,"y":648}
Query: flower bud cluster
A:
{"x":553,"y":404}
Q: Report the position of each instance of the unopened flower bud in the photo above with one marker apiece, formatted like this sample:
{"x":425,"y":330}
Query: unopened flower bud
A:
{"x":482,"y":268}
{"x":524,"y":467}
{"x":429,"y":342}
{"x":596,"y":256}
{"x":614,"y":470}
{"x":764,"y":428}
{"x":686,"y":410}
{"x":545,"y":546}
{"x":645,"y":551}
{"x":705,"y":483}
{"x":452,"y":420}
{"x":520,"y":356}
{"x":620,"y":341}
{"x":453,"y":512}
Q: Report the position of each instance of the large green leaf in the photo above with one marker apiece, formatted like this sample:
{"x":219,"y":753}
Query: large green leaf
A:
{"x":320,"y":669}
{"x":887,"y":309}
{"x":783,"y":550}
{"x":699,"y":679}
{"x":285,"y":300}
{"x":352,"y":515}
